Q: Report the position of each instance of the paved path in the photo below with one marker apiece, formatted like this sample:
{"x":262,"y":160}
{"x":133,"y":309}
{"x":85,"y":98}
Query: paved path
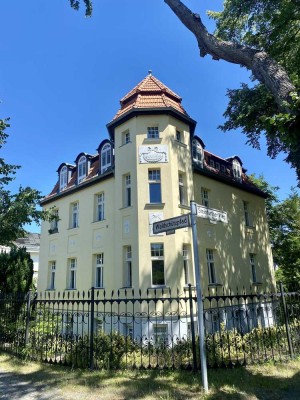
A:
{"x":19,"y":387}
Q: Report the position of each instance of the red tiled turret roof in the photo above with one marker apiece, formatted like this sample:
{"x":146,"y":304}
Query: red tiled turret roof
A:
{"x":150,"y":93}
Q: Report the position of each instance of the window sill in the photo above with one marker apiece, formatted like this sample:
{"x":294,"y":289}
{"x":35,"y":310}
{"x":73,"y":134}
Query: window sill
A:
{"x":154,"y":206}
{"x":257,"y":283}
{"x":71,"y":229}
{"x":50,"y":290}
{"x":124,"y":144}
{"x":71,"y":289}
{"x":186,"y":287}
{"x":184,"y":207}
{"x":212,"y":285}
{"x":100,"y":220}
{"x":152,"y":141}
{"x":125,"y":208}
{"x":160,"y":287}
{"x":53,"y":231}
{"x":250,"y":228}
{"x":179,"y":143}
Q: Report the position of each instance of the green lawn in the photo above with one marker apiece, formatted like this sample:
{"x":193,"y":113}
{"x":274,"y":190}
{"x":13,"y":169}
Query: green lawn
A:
{"x":268,"y":381}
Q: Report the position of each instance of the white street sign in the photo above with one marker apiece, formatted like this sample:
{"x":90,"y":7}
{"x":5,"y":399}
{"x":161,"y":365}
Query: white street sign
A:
{"x":171,"y":224}
{"x":212,"y":214}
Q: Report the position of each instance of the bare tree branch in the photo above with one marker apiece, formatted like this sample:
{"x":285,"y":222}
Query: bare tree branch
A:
{"x":264,"y":68}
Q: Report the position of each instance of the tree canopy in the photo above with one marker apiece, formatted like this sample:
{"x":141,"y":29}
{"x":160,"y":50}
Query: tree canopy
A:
{"x":264,"y":37}
{"x":284,"y":225}
{"x":19,"y":208}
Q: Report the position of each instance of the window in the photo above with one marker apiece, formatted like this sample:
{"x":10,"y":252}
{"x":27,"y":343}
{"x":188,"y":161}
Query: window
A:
{"x":74,"y":215}
{"x":99,"y":270}
{"x":81,"y":168}
{"x":197,"y":152}
{"x":182,"y":189}
{"x":157,"y":260}
{"x":154,"y":186}
{"x":128,"y":267}
{"x":105,"y":157}
{"x":160,"y":334}
{"x":253,"y":267}
{"x":178,"y":136}
{"x":204,"y":197}
{"x":212,"y":163}
{"x":54,"y":222}
{"x":217,"y":165}
{"x":127,"y":190}
{"x":52,"y":271}
{"x":126,"y":137}
{"x":211,"y":266}
{"x":63,"y":178}
{"x":152,"y":132}
{"x":236,"y":169}
{"x":186,"y":262}
{"x":72,"y":273}
{"x":100,"y":207}
{"x":223,"y":169}
{"x":248,"y":221}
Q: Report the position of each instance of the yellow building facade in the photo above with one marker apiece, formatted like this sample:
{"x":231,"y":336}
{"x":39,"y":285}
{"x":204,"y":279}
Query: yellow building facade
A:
{"x":149,"y":169}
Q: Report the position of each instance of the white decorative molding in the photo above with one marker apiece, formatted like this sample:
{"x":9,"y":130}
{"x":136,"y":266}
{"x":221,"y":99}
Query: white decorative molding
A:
{"x":154,"y":217}
{"x":153,"y":154}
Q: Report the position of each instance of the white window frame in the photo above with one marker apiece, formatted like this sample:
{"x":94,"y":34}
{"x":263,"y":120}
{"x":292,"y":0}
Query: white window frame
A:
{"x":236,"y":169}
{"x":160,"y":334}
{"x":54,"y":222}
{"x":152,"y":132}
{"x":205,"y":197}
{"x":100,"y":206}
{"x":182,"y":188}
{"x":63,"y":178}
{"x":247,"y":214}
{"x":99,"y":270}
{"x":72,"y":273}
{"x":82,"y":169}
{"x":127,"y":190}
{"x":74,"y":222}
{"x":197,"y":152}
{"x":178,"y":134}
{"x":106,"y":157}
{"x":128,"y":266}
{"x":126,"y":137}
{"x":52,"y":273}
{"x":186,"y":263}
{"x":154,"y":178}
{"x":253,"y":263}
{"x":157,"y":254}
{"x":211,"y":266}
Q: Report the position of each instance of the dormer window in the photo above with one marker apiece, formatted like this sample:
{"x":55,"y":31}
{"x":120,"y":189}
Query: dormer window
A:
{"x":236,"y":169}
{"x":197,"y":152}
{"x":81,"y":168}
{"x":63,"y":178}
{"x":105,"y":157}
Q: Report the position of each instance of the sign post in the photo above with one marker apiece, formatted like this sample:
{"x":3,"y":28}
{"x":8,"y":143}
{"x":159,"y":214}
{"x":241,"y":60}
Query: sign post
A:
{"x":199,"y":297}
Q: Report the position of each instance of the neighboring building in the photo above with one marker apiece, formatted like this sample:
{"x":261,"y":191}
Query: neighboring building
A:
{"x":149,"y":169}
{"x":32,"y":244}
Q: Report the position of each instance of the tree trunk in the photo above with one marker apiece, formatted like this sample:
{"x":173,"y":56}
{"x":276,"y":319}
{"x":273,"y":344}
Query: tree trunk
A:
{"x":263,"y":67}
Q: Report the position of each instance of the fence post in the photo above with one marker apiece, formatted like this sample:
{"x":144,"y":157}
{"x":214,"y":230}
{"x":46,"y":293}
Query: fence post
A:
{"x":27,"y":317}
{"x":92,"y":328}
{"x":286,"y":319}
{"x":192,"y":329}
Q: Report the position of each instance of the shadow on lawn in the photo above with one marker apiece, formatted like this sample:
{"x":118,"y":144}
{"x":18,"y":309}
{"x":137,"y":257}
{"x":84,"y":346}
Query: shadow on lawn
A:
{"x":44,"y":382}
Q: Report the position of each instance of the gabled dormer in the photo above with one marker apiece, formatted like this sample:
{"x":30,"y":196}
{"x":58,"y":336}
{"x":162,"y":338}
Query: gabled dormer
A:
{"x":106,"y":156}
{"x":64,"y":175}
{"x":198,"y":151}
{"x":237,"y":167}
{"x":83,"y":163}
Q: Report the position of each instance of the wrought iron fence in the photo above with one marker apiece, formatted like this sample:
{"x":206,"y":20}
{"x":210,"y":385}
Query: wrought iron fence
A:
{"x":127,"y":329}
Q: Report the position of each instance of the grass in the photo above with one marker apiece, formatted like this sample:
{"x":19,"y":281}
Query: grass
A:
{"x":268,"y":381}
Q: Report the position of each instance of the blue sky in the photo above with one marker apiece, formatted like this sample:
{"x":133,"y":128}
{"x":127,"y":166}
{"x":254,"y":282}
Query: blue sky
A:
{"x":62,"y":76}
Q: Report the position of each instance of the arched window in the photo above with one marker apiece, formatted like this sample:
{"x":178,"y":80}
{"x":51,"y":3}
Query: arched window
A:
{"x":63,"y":178}
{"x":81,"y":168}
{"x":105,"y":157}
{"x":197,"y":152}
{"x":237,"y":169}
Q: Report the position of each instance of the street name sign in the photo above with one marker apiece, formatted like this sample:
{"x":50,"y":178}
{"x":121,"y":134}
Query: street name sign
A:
{"x":212,"y":214}
{"x":166,"y":225}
